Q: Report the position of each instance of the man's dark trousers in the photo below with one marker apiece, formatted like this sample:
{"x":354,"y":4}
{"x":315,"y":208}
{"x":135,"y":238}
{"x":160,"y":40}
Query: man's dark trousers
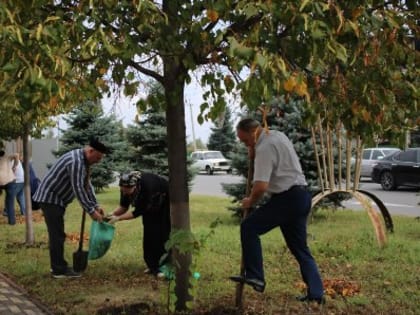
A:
{"x":54,"y":218}
{"x":288,"y":210}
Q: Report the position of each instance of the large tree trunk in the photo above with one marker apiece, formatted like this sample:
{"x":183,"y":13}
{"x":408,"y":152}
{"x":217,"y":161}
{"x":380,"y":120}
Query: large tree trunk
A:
{"x":178,"y":183}
{"x":30,"y":238}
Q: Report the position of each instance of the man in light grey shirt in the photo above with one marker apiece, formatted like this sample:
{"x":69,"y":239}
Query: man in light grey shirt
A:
{"x":277,"y":172}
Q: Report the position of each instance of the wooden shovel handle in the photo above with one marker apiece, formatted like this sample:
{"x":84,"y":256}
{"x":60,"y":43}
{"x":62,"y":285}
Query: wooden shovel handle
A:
{"x":240,"y":286}
{"x":82,"y":230}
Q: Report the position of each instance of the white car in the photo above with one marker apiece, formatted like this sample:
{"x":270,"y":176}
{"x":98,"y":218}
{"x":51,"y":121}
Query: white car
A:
{"x":210,"y":161}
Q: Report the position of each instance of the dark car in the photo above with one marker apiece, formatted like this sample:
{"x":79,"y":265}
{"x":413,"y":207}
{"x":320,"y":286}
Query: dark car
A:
{"x":398,"y":169}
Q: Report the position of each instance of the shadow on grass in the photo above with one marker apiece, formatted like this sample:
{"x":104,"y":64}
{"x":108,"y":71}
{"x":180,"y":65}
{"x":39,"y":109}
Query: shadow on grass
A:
{"x":132,"y":309}
{"x":13,"y":248}
{"x":146,"y":309}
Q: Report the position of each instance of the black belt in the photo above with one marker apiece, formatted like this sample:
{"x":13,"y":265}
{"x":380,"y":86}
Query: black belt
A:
{"x":302,"y":187}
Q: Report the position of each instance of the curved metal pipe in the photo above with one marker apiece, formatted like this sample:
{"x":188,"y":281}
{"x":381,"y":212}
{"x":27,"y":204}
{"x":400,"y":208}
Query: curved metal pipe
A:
{"x":361,"y":195}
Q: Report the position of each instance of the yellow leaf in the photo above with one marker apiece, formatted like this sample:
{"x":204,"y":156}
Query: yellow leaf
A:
{"x":366,"y":115}
{"x":52,"y":18}
{"x":354,"y":108}
{"x":355,"y":27}
{"x":228,"y":80}
{"x":53,"y":102}
{"x":301,"y":88}
{"x":19,"y":36}
{"x":38,"y":32}
{"x":281,"y":64}
{"x":303,"y":5}
{"x":341,"y":18}
{"x":290,"y":84}
{"x":212,"y":15}
{"x":100,"y":82}
{"x":61,"y":92}
{"x":356,"y":13}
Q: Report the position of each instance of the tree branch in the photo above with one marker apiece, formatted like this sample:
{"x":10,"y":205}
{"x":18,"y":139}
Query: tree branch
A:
{"x":146,"y":71}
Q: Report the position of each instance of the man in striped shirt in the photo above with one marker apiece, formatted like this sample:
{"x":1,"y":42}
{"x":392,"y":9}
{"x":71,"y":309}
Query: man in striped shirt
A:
{"x":67,"y":179}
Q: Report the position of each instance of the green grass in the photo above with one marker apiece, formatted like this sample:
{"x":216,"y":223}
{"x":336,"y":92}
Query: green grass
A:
{"x":343,"y":243}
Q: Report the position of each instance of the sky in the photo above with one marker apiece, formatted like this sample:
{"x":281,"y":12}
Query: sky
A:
{"x":125,"y":109}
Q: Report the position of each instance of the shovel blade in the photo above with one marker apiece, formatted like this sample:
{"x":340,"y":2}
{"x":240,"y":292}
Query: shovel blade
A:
{"x":80,"y":260}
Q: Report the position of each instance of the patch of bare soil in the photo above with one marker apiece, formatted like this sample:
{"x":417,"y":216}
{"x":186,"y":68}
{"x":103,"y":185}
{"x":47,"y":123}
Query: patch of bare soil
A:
{"x":145,"y":309}
{"x":20,"y":219}
{"x":133,"y":309}
{"x":12,"y":248}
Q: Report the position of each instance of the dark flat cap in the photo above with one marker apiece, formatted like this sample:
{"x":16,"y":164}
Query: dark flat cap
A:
{"x":99,"y":146}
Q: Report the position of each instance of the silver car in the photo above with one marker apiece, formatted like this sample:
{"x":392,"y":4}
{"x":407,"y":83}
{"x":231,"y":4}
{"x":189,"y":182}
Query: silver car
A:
{"x":370,"y":156}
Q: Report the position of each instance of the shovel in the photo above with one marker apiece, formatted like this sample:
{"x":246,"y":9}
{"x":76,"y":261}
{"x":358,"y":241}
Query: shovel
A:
{"x":240,"y":286}
{"x":80,"y":257}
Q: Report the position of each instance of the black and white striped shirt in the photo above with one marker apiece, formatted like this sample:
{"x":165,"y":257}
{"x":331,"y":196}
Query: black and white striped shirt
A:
{"x":66,"y":180}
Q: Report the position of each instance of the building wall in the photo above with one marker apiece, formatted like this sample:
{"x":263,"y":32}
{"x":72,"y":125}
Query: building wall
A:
{"x":40,"y":153}
{"x":42,"y":156}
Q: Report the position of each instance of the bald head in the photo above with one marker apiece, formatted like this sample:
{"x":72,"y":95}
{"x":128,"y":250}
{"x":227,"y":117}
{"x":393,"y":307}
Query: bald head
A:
{"x":246,"y":131}
{"x":247,"y":125}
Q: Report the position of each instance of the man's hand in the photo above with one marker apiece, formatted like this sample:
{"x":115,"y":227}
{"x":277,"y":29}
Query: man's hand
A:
{"x":246,"y":203}
{"x":96,"y":216}
{"x":113,"y":219}
{"x":100,"y":210}
{"x":257,"y":191}
{"x":108,"y":216}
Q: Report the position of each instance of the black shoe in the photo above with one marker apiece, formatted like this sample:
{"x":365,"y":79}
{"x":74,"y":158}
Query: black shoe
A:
{"x":69,"y":273}
{"x":305,"y":298}
{"x":256,"y":284}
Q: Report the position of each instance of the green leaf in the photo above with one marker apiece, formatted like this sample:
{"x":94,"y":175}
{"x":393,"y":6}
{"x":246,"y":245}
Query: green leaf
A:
{"x":130,"y":76}
{"x":303,"y":5}
{"x":244,"y":52}
{"x":341,"y":52}
{"x":261,"y":60}
{"x":355,"y":27}
{"x":317,"y":33}
{"x":9,"y":67}
{"x":250,"y":10}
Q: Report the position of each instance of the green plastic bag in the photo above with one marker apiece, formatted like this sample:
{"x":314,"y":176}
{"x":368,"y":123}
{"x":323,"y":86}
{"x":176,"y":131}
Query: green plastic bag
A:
{"x":101,"y":235}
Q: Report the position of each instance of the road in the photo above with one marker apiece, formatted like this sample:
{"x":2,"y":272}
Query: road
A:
{"x":404,"y":201}
{"x":211,"y":184}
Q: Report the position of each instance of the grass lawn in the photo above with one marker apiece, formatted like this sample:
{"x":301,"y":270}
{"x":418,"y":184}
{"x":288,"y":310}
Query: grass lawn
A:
{"x":360,"y":277}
